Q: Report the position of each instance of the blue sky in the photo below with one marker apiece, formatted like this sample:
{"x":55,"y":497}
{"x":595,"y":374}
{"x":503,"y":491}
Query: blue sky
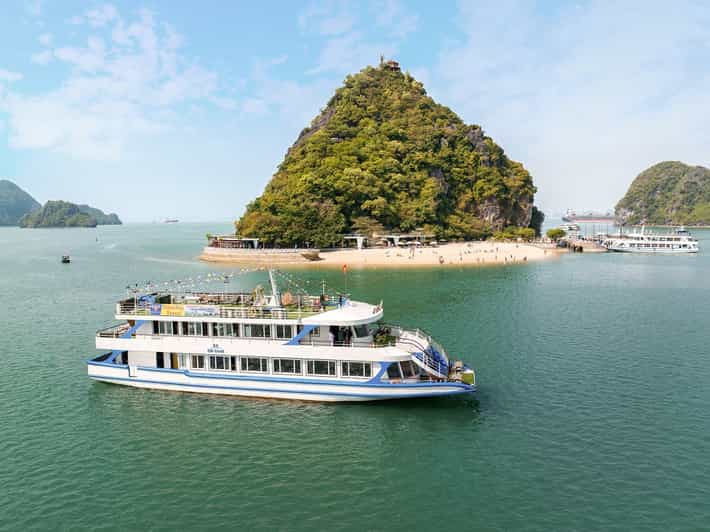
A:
{"x":159,"y":109}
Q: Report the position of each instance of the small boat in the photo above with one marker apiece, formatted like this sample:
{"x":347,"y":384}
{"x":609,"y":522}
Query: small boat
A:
{"x":171,"y":221}
{"x":65,"y":259}
{"x":285,"y":346}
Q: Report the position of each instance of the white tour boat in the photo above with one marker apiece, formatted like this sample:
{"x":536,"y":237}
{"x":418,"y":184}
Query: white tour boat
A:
{"x":287,"y":346}
{"x":679,"y":241}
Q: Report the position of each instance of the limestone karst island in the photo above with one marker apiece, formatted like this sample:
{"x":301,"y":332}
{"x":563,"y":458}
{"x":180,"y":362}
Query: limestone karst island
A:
{"x":18,"y":208}
{"x":383,"y":163}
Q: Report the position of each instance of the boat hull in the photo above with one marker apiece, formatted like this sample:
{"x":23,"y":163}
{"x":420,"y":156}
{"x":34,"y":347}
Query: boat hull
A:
{"x":301,"y":389}
{"x":654,"y":251}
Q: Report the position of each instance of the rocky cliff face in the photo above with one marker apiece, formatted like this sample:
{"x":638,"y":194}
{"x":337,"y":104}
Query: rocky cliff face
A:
{"x":669,"y":192}
{"x":383,"y":154}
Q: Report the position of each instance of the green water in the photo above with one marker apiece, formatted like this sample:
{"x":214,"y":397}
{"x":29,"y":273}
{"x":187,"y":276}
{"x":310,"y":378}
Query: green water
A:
{"x":592,"y":413}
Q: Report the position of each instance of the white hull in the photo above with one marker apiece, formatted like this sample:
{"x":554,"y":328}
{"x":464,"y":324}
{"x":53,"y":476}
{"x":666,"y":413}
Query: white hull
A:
{"x":654,"y":251}
{"x":324,"y":390}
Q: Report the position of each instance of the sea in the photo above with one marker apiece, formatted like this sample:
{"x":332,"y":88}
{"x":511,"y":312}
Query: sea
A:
{"x":592,"y":410}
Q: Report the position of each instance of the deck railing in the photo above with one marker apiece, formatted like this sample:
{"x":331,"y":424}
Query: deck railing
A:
{"x":309,"y":306}
{"x":114,"y":331}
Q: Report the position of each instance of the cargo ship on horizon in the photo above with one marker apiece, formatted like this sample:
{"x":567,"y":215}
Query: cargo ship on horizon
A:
{"x":589,"y":217}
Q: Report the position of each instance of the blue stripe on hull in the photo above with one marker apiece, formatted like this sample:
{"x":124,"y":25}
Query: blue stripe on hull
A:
{"x":270,"y":391}
{"x":372,"y":383}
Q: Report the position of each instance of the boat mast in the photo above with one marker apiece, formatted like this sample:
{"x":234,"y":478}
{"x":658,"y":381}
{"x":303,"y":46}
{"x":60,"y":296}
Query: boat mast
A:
{"x":274,"y":288}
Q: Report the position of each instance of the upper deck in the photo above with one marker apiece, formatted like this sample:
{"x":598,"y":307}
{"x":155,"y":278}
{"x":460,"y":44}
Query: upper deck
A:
{"x":322,"y":310}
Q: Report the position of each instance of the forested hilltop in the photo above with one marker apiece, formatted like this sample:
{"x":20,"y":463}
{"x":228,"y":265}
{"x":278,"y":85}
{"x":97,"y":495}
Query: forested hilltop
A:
{"x":14,"y":203}
{"x":65,"y":214}
{"x":669,"y":193}
{"x":383,"y":155}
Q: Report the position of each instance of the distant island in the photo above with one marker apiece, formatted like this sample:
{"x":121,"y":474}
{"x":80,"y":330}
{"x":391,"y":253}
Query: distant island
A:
{"x":14,"y":203}
{"x":65,"y":214}
{"x":101,"y":217}
{"x":383,"y":156}
{"x":668,"y":193}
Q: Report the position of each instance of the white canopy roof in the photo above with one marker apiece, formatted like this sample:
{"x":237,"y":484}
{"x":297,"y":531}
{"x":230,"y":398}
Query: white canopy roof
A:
{"x":351,"y":313}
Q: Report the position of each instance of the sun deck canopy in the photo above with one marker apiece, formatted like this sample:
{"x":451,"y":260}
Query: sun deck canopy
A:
{"x":349,"y":313}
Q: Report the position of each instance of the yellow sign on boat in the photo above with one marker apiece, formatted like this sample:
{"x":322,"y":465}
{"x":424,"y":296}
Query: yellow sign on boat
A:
{"x":172,"y":310}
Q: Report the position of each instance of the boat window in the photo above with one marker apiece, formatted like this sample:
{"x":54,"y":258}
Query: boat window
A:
{"x":408,"y":369}
{"x":257,"y":330}
{"x":393,"y":371}
{"x":192,"y":328}
{"x":165,"y":327}
{"x":159,"y":360}
{"x":198,"y":362}
{"x":184,"y":360}
{"x":321,"y":367}
{"x":284,"y":331}
{"x":361,"y":331}
{"x":225,"y":329}
{"x":255,"y":364}
{"x":357,"y":369}
{"x":219,"y":362}
{"x":287,"y":365}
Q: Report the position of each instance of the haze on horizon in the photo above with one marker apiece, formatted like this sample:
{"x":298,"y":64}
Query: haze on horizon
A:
{"x":157,"y":109}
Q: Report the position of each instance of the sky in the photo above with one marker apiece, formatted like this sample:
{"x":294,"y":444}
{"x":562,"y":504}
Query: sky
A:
{"x":156,"y":109}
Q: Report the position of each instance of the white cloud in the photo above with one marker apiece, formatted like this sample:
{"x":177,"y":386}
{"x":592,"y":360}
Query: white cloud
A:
{"x":349,"y":53}
{"x":45,"y":39}
{"x":101,"y":15}
{"x":9,"y":76}
{"x":356,"y":35}
{"x":255,"y":106}
{"x":89,"y":59}
{"x":42,"y":58}
{"x":130,"y":87}
{"x":394,"y":18}
{"x":336,"y":25}
{"x":586,"y":96}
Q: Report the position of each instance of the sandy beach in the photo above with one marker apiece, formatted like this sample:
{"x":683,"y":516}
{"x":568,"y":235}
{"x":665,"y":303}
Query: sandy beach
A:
{"x":464,"y":253}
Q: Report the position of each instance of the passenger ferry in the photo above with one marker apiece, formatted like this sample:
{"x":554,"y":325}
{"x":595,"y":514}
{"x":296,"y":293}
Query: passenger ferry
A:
{"x":285,"y":346}
{"x":679,"y":241}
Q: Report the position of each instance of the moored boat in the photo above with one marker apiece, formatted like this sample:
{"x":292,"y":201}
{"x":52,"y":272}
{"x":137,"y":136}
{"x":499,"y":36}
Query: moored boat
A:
{"x":286,"y":346}
{"x":678,"y":241}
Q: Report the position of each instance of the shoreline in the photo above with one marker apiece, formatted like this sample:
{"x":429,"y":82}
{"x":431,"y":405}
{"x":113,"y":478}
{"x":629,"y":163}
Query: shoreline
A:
{"x":453,"y":254}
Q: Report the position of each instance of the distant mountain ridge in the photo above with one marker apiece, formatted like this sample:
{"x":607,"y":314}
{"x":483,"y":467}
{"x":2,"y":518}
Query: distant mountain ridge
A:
{"x":14,"y":203}
{"x":668,"y":193}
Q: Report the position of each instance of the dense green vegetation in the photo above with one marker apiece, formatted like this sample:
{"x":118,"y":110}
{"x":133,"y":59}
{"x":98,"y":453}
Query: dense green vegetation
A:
{"x":58,"y":214}
{"x":14,"y":203}
{"x":101,"y":217}
{"x":555,"y":233}
{"x":668,"y":193}
{"x":383,"y":155}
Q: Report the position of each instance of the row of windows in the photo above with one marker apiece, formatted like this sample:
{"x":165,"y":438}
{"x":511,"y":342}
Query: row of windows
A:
{"x":285,"y":366}
{"x":668,"y":246}
{"x":247,"y":330}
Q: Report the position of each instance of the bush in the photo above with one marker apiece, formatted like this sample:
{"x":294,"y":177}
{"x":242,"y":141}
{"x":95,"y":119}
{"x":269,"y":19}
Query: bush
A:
{"x":555,"y":233}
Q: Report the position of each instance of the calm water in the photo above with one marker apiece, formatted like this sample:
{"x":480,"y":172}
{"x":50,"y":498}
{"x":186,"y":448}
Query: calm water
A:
{"x":592,"y":414}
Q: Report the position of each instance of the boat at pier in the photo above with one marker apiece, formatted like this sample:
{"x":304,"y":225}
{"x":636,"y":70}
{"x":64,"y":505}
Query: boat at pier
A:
{"x":679,"y":241}
{"x":286,"y":346}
